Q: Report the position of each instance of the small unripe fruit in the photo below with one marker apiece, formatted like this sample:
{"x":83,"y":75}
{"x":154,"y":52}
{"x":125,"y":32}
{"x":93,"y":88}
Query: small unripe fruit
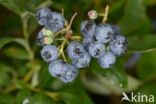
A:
{"x":92,"y":14}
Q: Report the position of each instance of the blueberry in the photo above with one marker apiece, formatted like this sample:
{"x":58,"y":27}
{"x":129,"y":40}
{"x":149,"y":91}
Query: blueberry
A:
{"x":55,"y":21}
{"x":75,"y":50}
{"x":96,"y":49}
{"x":107,"y":60}
{"x":88,"y":28}
{"x":49,"y":53}
{"x":57,"y":68}
{"x":70,"y":74}
{"x":42,"y":15}
{"x":86,"y":42}
{"x":119,"y":45}
{"x":116,"y":29}
{"x":63,"y":71}
{"x":82,"y":62}
{"x":40,"y":39}
{"x":104,"y":33}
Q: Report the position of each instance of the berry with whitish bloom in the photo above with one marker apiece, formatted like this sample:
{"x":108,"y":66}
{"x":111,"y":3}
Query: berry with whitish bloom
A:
{"x":60,"y":69}
{"x":49,"y":53}
{"x":70,"y":74}
{"x":42,"y":15}
{"x":40,"y":39}
{"x":104,"y":33}
{"x":96,"y":49}
{"x":88,"y":28}
{"x":116,"y":29}
{"x":86,"y":42}
{"x":82,"y":62}
{"x":92,"y":14}
{"x":57,"y":68}
{"x":107,"y":60}
{"x":75,"y":50}
{"x":55,"y":21}
{"x":119,"y":45}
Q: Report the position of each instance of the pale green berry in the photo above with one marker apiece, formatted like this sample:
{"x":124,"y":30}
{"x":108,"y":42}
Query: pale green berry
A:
{"x":92,"y":14}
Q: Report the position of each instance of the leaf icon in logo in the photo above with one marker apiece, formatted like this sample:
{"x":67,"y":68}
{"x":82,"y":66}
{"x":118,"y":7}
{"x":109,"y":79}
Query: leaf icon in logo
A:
{"x":125,"y":97}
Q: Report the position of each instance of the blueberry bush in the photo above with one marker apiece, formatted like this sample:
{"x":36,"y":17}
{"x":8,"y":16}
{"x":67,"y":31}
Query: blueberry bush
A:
{"x":72,"y":52}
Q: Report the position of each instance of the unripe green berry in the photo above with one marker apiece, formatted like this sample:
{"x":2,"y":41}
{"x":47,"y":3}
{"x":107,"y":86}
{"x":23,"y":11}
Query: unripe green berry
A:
{"x":92,"y":14}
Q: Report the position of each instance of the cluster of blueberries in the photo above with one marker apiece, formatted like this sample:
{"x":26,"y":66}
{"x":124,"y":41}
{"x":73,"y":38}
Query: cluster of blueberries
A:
{"x":101,"y":41}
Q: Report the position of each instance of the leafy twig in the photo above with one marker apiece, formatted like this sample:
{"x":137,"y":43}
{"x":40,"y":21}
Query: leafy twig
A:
{"x":143,"y":51}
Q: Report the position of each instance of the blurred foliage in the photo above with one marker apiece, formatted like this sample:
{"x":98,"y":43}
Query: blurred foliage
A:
{"x":24,"y":76}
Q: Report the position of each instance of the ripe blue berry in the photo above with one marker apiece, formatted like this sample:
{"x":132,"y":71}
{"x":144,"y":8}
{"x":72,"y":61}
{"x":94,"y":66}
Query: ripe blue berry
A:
{"x":57,"y":68}
{"x":116,"y":29}
{"x":88,"y":28}
{"x":96,"y":49}
{"x":86,"y":42}
{"x":119,"y":45}
{"x":70,"y":74}
{"x":42,"y":15}
{"x":82,"y":62}
{"x":40,"y":39}
{"x":107,"y":60}
{"x":104,"y":33}
{"x":75,"y":50}
{"x":63,"y":71}
{"x":55,"y":21}
{"x":49,"y":53}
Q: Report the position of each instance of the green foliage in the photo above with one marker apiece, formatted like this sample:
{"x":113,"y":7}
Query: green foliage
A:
{"x":21,"y":6}
{"x":75,"y":96}
{"x":23,"y":76}
{"x":142,"y":43}
{"x":135,"y":20}
{"x":147,"y":67}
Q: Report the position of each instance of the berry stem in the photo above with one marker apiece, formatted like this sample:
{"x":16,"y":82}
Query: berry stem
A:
{"x":68,"y":34}
{"x":62,"y":11}
{"x":61,"y":47}
{"x":105,"y":14}
{"x":143,"y":51}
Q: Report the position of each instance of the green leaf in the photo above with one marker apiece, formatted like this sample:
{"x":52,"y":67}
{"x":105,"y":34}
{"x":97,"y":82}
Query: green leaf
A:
{"x":75,"y":96}
{"x":45,"y":77}
{"x":95,"y":67}
{"x":12,"y":5}
{"x":135,"y":20}
{"x":116,"y":10}
{"x":6,"y":40}
{"x":117,"y":72}
{"x":22,"y":95}
{"x":146,"y":67}
{"x":15,"y":52}
{"x":142,"y":43}
{"x":150,"y":2}
{"x":20,"y":7}
{"x":5,"y":71}
{"x":6,"y":99}
{"x":40,"y":98}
